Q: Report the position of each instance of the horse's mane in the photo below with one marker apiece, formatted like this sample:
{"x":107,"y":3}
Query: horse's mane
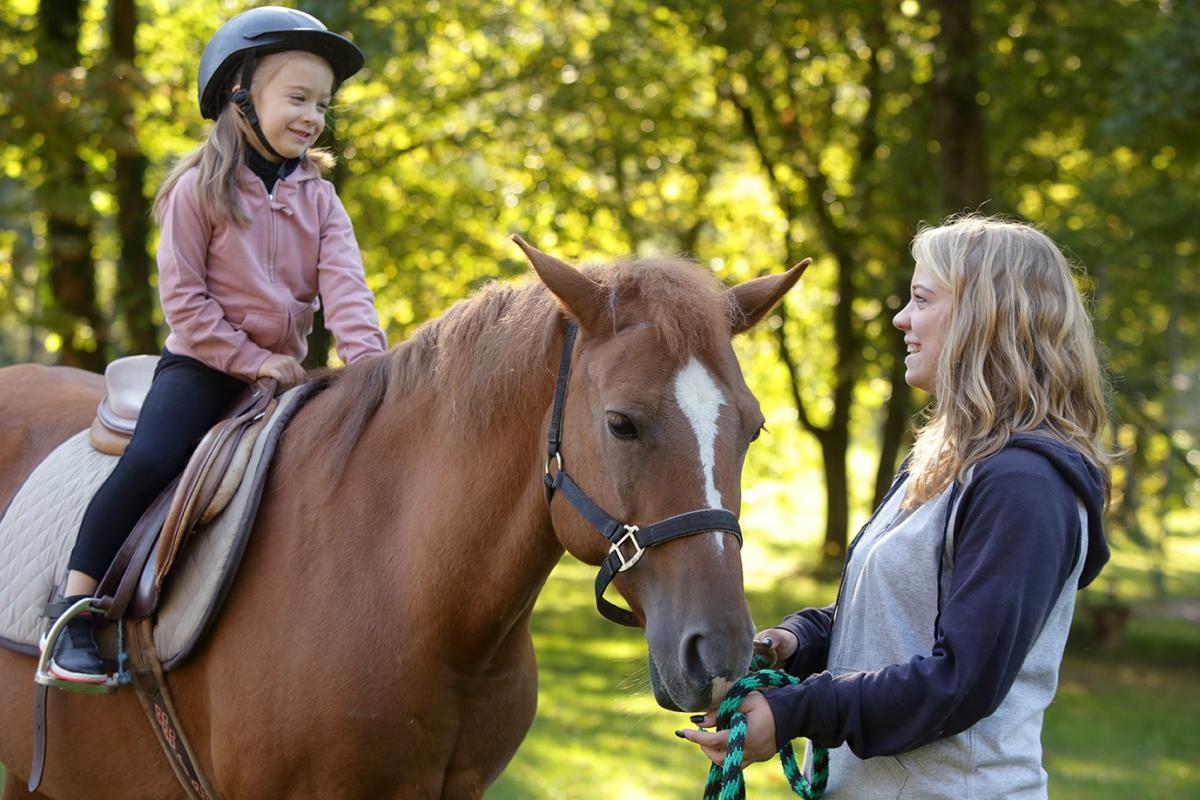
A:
{"x":490,"y":348}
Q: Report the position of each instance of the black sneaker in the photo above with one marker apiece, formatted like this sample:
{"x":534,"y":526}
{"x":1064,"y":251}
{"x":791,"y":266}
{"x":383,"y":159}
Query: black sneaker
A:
{"x":75,"y":656}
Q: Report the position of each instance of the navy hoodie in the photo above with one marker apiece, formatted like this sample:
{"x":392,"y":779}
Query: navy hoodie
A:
{"x":1016,"y":539}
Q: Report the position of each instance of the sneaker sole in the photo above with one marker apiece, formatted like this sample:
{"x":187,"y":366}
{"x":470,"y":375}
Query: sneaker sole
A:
{"x":75,"y":677}
{"x":66,"y":674}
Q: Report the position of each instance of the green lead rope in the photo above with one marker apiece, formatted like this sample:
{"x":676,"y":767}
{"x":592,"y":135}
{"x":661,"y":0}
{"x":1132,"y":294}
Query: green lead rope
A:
{"x":726,"y":782}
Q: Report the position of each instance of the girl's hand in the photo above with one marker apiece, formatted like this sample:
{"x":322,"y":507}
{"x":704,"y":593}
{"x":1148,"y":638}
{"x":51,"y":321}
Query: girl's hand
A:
{"x":760,"y":732}
{"x":285,"y":369}
{"x":782,"y":644}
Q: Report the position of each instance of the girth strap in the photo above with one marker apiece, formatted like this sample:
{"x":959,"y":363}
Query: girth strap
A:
{"x":150,"y":684}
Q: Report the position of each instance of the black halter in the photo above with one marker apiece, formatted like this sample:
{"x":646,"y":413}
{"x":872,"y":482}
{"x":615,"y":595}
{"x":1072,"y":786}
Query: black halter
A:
{"x":627,"y":542}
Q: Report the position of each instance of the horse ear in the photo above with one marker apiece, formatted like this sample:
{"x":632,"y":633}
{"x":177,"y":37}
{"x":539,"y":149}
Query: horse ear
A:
{"x":582,"y":297}
{"x":755,"y":298}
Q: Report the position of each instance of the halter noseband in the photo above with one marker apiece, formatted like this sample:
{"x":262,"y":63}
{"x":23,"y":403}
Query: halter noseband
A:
{"x":627,"y":543}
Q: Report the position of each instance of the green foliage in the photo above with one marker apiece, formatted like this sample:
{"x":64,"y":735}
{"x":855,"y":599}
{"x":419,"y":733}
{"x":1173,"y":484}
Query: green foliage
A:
{"x":604,"y":128}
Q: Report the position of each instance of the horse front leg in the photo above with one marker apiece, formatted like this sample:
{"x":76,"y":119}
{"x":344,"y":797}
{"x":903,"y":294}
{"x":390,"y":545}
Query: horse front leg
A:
{"x":495,"y":717}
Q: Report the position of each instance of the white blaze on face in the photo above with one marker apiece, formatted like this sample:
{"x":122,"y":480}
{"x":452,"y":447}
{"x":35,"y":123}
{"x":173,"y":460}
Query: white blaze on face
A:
{"x":700,"y":400}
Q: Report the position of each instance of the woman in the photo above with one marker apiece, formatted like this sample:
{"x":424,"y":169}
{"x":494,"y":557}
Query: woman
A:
{"x":930,"y":674}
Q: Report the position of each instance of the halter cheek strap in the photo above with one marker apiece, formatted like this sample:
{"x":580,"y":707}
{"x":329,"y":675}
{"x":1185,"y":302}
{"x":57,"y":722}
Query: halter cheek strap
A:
{"x":627,"y":543}
{"x":241,"y":98}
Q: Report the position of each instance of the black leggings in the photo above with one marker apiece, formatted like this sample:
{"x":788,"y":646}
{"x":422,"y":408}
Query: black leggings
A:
{"x":186,"y":398}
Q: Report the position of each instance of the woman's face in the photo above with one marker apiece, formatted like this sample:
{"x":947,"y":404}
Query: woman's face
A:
{"x":924,"y":322}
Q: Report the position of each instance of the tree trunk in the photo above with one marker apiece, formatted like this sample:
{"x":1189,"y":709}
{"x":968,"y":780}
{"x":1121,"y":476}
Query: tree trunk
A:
{"x":319,"y":341}
{"x":64,"y":194}
{"x":135,"y":296}
{"x":319,"y":338}
{"x":957,"y":115}
{"x":834,"y":448}
{"x":961,"y":165}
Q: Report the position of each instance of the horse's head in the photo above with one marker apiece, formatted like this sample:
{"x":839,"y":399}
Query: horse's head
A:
{"x":657,"y":423}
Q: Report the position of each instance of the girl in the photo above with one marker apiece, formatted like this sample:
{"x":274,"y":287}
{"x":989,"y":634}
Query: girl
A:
{"x":250,"y":235}
{"x":929,"y":675}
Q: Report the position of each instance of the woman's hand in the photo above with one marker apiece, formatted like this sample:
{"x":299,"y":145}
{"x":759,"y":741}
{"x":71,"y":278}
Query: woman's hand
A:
{"x":284,"y":369}
{"x":779,"y":643}
{"x":760,"y":732}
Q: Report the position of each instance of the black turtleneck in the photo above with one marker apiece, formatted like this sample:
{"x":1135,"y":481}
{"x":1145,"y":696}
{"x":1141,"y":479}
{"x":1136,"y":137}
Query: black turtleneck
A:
{"x":268,"y":170}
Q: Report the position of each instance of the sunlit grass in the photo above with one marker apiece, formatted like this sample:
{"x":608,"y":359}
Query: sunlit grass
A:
{"x":1124,"y":723}
{"x":1121,"y":726}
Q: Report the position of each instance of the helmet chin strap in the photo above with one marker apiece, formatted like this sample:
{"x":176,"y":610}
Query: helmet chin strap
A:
{"x":245,"y":104}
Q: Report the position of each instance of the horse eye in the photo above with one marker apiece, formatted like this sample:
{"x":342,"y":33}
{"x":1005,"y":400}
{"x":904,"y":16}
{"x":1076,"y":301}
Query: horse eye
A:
{"x":758,"y":432}
{"x":620,"y":426}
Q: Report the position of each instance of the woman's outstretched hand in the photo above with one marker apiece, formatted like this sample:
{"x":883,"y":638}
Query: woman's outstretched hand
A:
{"x":760,"y":732}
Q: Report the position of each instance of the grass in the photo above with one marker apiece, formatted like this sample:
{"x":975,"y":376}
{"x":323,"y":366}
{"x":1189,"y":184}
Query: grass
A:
{"x":1124,"y":722}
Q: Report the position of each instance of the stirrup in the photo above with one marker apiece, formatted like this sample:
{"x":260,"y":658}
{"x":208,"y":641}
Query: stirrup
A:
{"x":43,"y":675}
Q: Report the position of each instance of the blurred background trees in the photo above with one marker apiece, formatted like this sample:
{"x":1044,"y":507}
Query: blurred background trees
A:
{"x":746,"y":135}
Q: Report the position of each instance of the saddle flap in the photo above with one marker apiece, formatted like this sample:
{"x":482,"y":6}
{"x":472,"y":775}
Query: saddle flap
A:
{"x":125,"y":590}
{"x":219,"y":461}
{"x":42,"y":521}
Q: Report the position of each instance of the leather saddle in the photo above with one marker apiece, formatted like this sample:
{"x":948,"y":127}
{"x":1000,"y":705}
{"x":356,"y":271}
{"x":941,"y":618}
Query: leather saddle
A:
{"x":132,"y":587}
{"x":133,"y":584}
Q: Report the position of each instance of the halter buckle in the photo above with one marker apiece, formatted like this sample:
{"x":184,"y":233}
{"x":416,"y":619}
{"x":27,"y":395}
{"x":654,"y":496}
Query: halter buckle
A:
{"x":629,"y":536}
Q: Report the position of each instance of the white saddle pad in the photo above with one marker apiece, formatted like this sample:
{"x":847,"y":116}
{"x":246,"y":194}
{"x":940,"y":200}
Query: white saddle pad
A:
{"x":39,"y":528}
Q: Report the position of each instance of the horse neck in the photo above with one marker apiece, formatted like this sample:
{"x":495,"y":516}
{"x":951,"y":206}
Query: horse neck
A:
{"x":461,"y":513}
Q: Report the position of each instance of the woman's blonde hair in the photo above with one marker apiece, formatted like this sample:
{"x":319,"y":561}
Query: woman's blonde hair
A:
{"x":1018,"y":352}
{"x":222,"y":154}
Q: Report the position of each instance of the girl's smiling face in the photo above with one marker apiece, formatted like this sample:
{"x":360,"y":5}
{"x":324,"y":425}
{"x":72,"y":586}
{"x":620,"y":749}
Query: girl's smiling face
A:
{"x":291,"y":101}
{"x":923,"y":322}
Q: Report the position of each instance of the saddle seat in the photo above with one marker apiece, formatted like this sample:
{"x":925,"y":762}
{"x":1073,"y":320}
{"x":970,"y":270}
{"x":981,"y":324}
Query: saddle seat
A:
{"x":132,"y":586}
{"x":126,"y":382}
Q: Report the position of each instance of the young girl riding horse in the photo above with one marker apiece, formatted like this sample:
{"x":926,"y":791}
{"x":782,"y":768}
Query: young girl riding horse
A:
{"x":250,"y":236}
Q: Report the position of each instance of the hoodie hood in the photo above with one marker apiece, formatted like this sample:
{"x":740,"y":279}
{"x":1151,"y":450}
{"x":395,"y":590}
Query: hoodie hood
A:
{"x":1085,"y":479}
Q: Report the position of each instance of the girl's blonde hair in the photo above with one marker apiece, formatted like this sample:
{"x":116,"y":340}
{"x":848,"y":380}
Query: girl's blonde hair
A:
{"x":1018,"y":353}
{"x":222,"y":154}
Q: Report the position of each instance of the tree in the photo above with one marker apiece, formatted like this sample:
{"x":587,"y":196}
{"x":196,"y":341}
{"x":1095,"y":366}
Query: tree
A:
{"x":826,"y":98}
{"x":134,"y":299}
{"x":63,"y":194}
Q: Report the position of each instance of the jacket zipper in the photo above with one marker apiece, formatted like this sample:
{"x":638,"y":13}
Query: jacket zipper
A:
{"x":271,"y":246}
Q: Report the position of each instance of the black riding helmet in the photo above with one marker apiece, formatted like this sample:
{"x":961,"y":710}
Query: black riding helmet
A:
{"x":259,"y":31}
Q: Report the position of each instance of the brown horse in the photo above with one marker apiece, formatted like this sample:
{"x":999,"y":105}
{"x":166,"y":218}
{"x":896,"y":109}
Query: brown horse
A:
{"x":377,"y":643}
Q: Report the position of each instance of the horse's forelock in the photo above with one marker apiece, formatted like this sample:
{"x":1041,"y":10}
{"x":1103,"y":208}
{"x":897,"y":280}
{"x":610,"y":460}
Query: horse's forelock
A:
{"x":687,"y":306}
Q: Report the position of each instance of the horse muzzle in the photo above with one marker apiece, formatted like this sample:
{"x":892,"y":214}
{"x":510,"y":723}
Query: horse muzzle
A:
{"x":696,"y":673}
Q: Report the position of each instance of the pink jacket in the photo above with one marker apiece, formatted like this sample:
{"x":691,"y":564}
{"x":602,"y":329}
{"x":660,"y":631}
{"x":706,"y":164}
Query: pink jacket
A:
{"x":234,"y":295}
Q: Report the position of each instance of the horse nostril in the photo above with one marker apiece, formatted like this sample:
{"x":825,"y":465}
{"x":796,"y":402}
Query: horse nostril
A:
{"x":698,"y":659}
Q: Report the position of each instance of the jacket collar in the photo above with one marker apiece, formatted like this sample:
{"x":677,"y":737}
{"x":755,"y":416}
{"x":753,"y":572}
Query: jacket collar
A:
{"x":305,"y":171}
